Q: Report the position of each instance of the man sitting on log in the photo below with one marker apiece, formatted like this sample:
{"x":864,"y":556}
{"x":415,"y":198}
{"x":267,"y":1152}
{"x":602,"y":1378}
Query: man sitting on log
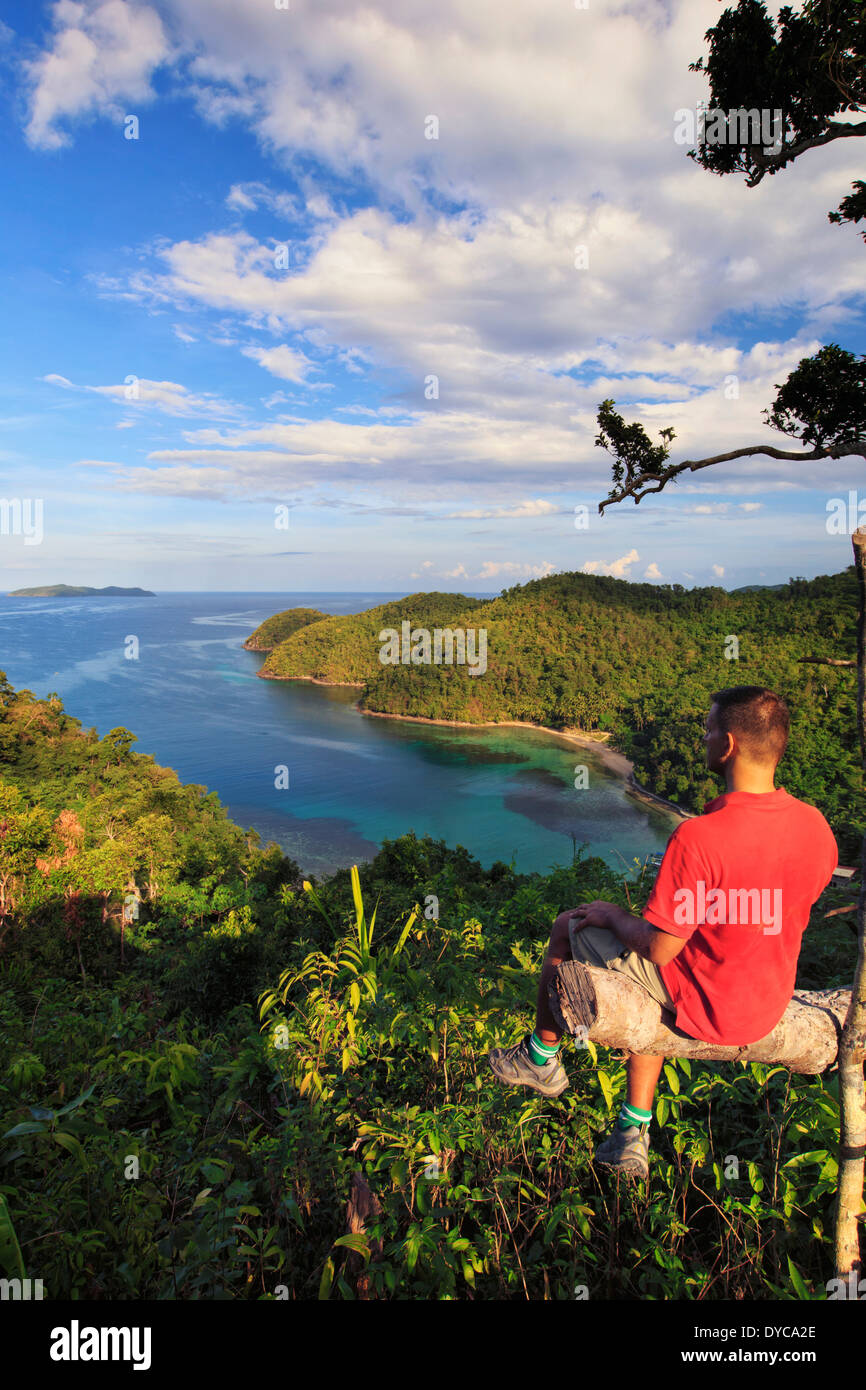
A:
{"x":719,"y":938}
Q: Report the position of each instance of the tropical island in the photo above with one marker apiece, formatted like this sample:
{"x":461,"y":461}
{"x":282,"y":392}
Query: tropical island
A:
{"x":79,"y":591}
{"x":628,"y":665}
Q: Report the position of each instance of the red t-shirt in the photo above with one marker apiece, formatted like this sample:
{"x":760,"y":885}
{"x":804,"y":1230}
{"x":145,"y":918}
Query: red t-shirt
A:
{"x":738,"y":883}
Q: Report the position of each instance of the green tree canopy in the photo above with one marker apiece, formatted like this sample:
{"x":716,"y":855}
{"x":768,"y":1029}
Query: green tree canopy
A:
{"x":810,"y":65}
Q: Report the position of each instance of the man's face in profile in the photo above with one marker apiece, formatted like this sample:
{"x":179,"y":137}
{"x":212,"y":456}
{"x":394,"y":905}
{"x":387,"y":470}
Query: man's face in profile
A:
{"x":715,"y":741}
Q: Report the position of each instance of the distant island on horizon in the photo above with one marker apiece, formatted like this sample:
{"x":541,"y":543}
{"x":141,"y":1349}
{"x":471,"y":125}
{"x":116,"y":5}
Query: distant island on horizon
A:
{"x":78,"y":591}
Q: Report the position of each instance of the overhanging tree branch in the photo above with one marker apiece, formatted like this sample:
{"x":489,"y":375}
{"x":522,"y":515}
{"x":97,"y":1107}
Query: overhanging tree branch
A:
{"x":640,"y":485}
{"x":822,"y":403}
{"x":771,"y":163}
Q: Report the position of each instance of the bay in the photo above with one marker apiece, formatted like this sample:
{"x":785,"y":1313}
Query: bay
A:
{"x":194,"y":701}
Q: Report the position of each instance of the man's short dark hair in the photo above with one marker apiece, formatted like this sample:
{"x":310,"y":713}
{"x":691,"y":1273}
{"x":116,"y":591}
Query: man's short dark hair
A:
{"x":757,"y":718}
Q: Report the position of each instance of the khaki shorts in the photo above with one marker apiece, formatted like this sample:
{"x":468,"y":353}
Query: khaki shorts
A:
{"x":597,"y":946}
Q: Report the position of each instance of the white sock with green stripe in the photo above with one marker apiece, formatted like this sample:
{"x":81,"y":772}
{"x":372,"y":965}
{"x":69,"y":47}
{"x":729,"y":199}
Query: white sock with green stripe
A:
{"x":630,"y":1116}
{"x":541,"y":1052}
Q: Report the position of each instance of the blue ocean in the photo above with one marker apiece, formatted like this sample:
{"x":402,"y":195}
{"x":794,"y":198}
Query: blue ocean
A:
{"x":193,"y":699}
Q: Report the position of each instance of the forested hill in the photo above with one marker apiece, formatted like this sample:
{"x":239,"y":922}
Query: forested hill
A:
{"x":281,"y":626}
{"x":346,"y":650}
{"x":637,"y":660}
{"x":85,"y":821}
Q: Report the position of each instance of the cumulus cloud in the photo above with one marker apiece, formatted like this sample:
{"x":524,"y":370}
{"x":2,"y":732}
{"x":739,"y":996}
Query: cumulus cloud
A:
{"x":486,"y":296}
{"x":652,"y":571}
{"x":620,"y":569}
{"x":492,"y":569}
{"x":405,"y":296}
{"x":101,"y":57}
{"x":719,"y":571}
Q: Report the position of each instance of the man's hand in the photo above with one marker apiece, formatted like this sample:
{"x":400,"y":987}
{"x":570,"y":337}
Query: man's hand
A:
{"x":594,"y":914}
{"x":635,"y":933}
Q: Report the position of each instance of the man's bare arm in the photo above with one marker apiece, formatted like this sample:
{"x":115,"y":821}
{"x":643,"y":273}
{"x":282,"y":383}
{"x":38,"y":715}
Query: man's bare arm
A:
{"x":636,"y":933}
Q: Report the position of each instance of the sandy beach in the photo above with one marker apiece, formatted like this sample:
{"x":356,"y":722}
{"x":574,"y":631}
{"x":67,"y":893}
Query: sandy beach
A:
{"x":614,"y":761}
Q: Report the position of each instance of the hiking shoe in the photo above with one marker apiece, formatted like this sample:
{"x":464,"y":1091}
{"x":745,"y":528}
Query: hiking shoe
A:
{"x":514,"y":1066}
{"x":627,"y":1150}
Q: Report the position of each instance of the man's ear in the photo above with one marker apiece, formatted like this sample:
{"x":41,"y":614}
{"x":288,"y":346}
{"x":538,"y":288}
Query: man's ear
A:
{"x":730,"y":748}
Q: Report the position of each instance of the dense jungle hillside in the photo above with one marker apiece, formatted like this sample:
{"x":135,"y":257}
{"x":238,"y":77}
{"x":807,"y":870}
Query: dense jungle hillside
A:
{"x":637,"y":661}
{"x":280,"y":627}
{"x":202,"y":1056}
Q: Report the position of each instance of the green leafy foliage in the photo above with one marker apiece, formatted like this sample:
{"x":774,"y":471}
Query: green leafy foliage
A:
{"x":810,"y":65}
{"x":823,"y":401}
{"x":147,"y":1152}
{"x":281,"y":626}
{"x":186,"y":1098}
{"x":635,"y":663}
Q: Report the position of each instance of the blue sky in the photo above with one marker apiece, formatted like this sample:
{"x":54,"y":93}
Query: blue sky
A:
{"x":242,"y":309}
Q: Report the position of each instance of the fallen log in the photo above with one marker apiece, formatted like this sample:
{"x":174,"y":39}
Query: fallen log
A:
{"x":614,"y":1011}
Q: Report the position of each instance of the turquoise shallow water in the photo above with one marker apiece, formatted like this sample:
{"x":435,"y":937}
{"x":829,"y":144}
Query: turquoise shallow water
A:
{"x":195,"y":702}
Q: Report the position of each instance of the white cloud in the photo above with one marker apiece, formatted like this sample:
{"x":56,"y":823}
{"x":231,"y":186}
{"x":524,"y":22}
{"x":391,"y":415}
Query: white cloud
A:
{"x":491,"y":569}
{"x":537,"y":508}
{"x":652,"y":571}
{"x":169,"y":397}
{"x":719,"y":571}
{"x":242,"y":198}
{"x":101,"y":58}
{"x":487,"y":298}
{"x":428,"y":456}
{"x":619,"y":569}
{"x":282,"y":361}
{"x":313,"y":206}
{"x":405,"y":296}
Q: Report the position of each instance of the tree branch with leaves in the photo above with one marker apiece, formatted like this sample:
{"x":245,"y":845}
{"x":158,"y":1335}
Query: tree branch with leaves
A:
{"x":810,"y":66}
{"x":822,"y":403}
